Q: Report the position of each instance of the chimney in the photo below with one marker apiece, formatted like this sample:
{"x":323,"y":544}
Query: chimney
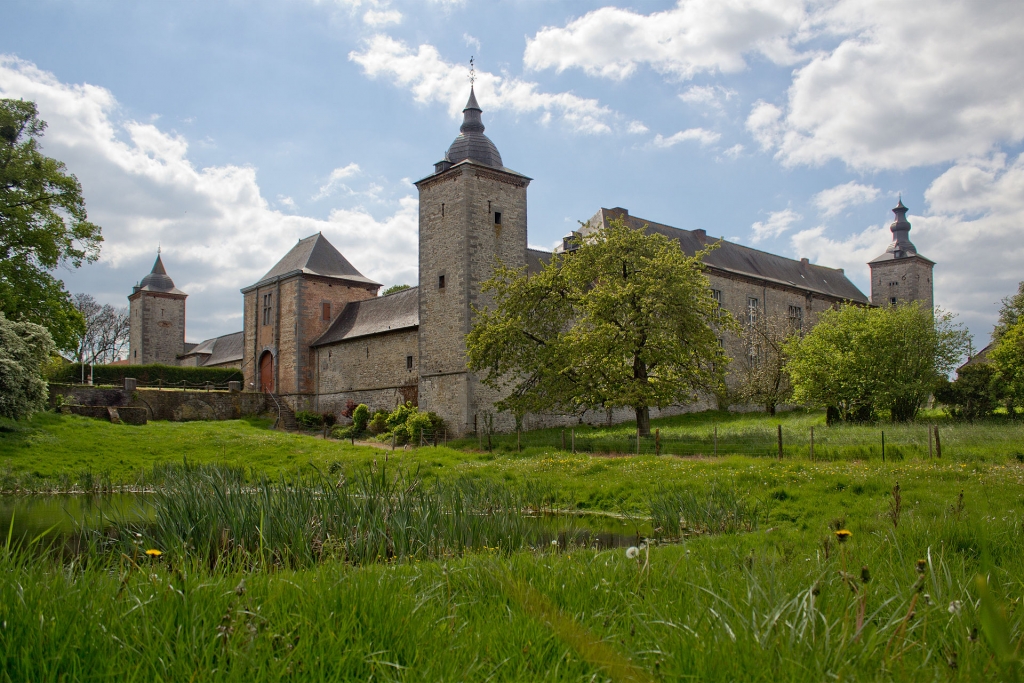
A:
{"x":702,"y":235}
{"x":804,"y":262}
{"x":841,"y":271}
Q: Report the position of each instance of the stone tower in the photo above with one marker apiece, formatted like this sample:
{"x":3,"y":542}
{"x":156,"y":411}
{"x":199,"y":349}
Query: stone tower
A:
{"x":901,"y":274}
{"x":472,"y":213}
{"x":157,"y":319}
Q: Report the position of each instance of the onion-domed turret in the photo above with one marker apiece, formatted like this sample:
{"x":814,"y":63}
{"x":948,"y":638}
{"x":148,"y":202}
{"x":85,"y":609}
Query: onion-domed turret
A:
{"x":158,"y":280}
{"x":472,"y":144}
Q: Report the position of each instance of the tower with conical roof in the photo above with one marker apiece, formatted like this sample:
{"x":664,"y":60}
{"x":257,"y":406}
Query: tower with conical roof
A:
{"x":901,"y":274}
{"x":472,"y":213}
{"x":157,"y":319}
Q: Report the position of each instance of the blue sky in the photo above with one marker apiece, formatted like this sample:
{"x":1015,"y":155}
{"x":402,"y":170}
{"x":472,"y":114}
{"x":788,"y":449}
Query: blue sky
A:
{"x":226,"y":131}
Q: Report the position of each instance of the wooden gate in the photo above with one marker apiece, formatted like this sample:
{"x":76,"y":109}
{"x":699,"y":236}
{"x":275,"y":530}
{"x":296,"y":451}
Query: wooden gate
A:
{"x":267,"y":372}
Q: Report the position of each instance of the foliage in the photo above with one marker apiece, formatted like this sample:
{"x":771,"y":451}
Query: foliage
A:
{"x":360,"y":418}
{"x":309,"y":419}
{"x":1008,"y":359}
{"x":974,"y":394}
{"x":857,"y":359}
{"x":378,"y":424}
{"x":154,"y":374}
{"x":106,"y":331}
{"x":43,"y":225}
{"x":762,"y":374}
{"x":400,"y":415}
{"x":393,"y":289}
{"x":350,"y":407}
{"x":24,"y":348}
{"x":626,"y":319}
{"x":1011,"y":312}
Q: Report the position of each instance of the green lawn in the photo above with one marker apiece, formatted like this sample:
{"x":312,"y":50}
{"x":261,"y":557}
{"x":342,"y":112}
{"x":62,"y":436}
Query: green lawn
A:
{"x":771,"y":604}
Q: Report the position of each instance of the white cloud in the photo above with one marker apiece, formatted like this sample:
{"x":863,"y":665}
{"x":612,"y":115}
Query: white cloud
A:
{"x":764,"y":124}
{"x":778,"y":222}
{"x":470,"y":41}
{"x":377,"y":14}
{"x":382,"y":17}
{"x":704,"y":137}
{"x":431,"y":79}
{"x":908,"y":84}
{"x":217,"y":231}
{"x":636,"y":128}
{"x":734,"y":151}
{"x":707,"y":95}
{"x":973,"y":230}
{"x":286,"y":201}
{"x":695,"y":36}
{"x":334,"y":181}
{"x":833,"y":201}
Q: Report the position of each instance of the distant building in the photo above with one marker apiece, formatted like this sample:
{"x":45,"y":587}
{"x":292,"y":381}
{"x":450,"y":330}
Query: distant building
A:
{"x":317,"y":334}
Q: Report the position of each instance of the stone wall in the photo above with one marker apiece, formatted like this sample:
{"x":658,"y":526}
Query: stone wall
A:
{"x":156,"y":328}
{"x":905,"y":279}
{"x":175,"y":406}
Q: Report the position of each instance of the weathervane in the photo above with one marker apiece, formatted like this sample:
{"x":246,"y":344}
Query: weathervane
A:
{"x":472,"y":73}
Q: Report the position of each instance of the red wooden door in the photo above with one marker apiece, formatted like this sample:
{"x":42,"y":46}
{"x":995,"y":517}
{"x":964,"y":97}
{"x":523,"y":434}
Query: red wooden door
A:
{"x":267,"y":372}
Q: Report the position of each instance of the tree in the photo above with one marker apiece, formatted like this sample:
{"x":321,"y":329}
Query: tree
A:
{"x":625,"y":319}
{"x":24,"y":348}
{"x":1010,"y":312}
{"x":106,"y":330}
{"x":974,"y":394}
{"x":43,"y":225}
{"x":1008,"y":359}
{"x":393,"y":289}
{"x":859,"y":359}
{"x":763,"y":378}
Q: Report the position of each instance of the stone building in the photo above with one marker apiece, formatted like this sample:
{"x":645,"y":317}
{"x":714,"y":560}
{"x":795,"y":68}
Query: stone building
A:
{"x":156,"y":328}
{"x":317,"y":335}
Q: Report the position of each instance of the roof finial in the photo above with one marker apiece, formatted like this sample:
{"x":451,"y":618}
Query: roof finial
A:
{"x":157,"y":248}
{"x":472,"y":73}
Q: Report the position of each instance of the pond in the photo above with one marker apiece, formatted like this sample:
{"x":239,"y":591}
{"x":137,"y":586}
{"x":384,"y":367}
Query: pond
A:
{"x":52,"y":517}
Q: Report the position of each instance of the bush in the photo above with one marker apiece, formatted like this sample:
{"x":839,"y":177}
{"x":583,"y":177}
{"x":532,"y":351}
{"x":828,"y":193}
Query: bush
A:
{"x":400,"y":415}
{"x":328,"y":419}
{"x":418,"y":423}
{"x":348,"y":432}
{"x":309,"y":419}
{"x":379,"y":423}
{"x":350,"y":407}
{"x":360,"y":417}
{"x":71,"y":373}
{"x":24,"y":348}
{"x":974,"y":393}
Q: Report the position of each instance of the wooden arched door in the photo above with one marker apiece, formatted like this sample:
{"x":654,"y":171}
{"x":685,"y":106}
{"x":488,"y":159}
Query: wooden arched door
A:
{"x":267,"y":372}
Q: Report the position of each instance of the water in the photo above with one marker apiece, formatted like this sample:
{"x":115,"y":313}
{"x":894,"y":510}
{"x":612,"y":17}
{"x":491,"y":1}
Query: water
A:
{"x":62,"y":517}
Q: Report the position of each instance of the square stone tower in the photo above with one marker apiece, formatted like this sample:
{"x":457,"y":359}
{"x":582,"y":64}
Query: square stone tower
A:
{"x":156,"y":326}
{"x":472,"y":213}
{"x":901,"y":274}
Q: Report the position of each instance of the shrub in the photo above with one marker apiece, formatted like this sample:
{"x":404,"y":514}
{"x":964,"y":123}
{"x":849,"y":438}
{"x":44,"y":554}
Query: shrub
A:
{"x":350,"y":407}
{"x":309,"y":419}
{"x":348,"y":432}
{"x":401,"y":434}
{"x":418,"y":423}
{"x":400,"y":415}
{"x":71,"y":373}
{"x":974,"y":393}
{"x":379,"y":423}
{"x":360,"y":417}
{"x":24,"y":348}
{"x":328,"y":419}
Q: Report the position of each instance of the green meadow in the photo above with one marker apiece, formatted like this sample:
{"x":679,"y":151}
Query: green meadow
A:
{"x":288,"y":557}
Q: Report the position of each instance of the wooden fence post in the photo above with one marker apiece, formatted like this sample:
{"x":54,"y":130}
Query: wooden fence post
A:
{"x":883,"y":445}
{"x":573,"y":436}
{"x":638,"y":439}
{"x":812,"y":444}
{"x":563,"y":439}
{"x":519,"y":443}
{"x":657,"y":442}
{"x":929,"y":442}
{"x":938,"y":444}
{"x":716,"y":440}
{"x":780,"y":442}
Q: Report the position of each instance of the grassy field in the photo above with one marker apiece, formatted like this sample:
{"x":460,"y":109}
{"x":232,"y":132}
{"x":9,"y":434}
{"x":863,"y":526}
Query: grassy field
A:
{"x":779,"y":599}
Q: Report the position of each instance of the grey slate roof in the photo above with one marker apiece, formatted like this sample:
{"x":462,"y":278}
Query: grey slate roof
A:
{"x":740,"y":260}
{"x":398,"y":311}
{"x":314,"y":255}
{"x":472,"y":143}
{"x":158,"y":280}
{"x":220,"y":350}
{"x":536,"y":259}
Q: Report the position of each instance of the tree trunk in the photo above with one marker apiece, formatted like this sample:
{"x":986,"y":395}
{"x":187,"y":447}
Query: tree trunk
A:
{"x":643,"y":420}
{"x":771,"y":409}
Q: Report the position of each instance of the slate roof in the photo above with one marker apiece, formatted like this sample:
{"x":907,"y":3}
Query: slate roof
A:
{"x":737,"y":259}
{"x":220,"y":350}
{"x":398,"y":311}
{"x":158,"y":280}
{"x":536,"y":259}
{"x":472,"y":143}
{"x":901,"y":246}
{"x":313,"y":255}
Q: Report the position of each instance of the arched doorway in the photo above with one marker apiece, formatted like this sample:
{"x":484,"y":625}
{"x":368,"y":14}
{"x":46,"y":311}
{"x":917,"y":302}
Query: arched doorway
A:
{"x":267,"y":372}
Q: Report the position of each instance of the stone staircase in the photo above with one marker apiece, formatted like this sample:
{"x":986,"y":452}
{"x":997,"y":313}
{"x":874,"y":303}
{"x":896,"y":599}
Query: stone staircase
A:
{"x":286,"y":416}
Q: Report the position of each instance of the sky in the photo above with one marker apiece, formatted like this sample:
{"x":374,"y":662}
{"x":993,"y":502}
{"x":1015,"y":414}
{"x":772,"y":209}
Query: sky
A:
{"x":224,"y":131}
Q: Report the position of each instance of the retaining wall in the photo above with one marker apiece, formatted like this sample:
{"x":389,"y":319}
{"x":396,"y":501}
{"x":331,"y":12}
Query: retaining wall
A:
{"x":175,"y":406}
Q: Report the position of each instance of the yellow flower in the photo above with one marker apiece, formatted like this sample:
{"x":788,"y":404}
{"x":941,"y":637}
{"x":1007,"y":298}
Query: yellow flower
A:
{"x":153,"y":552}
{"x":843,"y":535}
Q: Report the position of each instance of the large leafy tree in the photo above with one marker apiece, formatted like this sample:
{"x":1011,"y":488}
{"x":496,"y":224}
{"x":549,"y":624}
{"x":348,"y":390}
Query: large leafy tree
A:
{"x":625,"y":319}
{"x":762,"y":374}
{"x":43,"y":225}
{"x":24,"y":348}
{"x":857,"y":360}
{"x":106,"y":330}
{"x":1011,"y":312}
{"x":1008,"y":359}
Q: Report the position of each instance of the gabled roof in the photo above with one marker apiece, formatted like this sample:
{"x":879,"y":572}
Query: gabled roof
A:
{"x":219,"y":350}
{"x":314,"y":255}
{"x":536,"y":260}
{"x":740,"y":260}
{"x":398,"y":311}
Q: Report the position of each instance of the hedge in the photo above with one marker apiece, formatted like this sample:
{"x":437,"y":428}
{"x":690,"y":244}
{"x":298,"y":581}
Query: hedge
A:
{"x":145,"y":374}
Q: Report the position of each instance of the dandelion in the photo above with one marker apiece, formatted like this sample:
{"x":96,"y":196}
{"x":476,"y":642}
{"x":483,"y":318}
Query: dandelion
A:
{"x":153,"y":552}
{"x":955,"y":606}
{"x":632,"y":552}
{"x":843,"y":535}
{"x":554,"y":541}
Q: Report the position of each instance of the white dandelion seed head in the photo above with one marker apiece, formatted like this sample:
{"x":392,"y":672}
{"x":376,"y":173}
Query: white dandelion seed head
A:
{"x":954,"y":607}
{"x":554,"y":541}
{"x":632,"y":551}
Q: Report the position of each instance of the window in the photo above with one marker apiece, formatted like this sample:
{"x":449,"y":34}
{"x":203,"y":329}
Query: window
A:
{"x":440,"y":281}
{"x":796,"y":318}
{"x":497,"y":217}
{"x":408,"y":362}
{"x":892,"y":301}
{"x":268,"y":307}
{"x":752,"y":310}
{"x":442,"y":209}
{"x":326,"y":310}
{"x":716,"y":294}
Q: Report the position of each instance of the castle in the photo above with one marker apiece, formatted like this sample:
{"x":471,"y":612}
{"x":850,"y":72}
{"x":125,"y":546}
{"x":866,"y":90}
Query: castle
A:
{"x":317,"y":335}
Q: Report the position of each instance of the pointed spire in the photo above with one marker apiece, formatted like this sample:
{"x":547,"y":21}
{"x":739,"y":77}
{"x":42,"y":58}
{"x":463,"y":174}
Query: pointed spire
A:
{"x":471,"y":121}
{"x":158,"y":265}
{"x":900,"y":228}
